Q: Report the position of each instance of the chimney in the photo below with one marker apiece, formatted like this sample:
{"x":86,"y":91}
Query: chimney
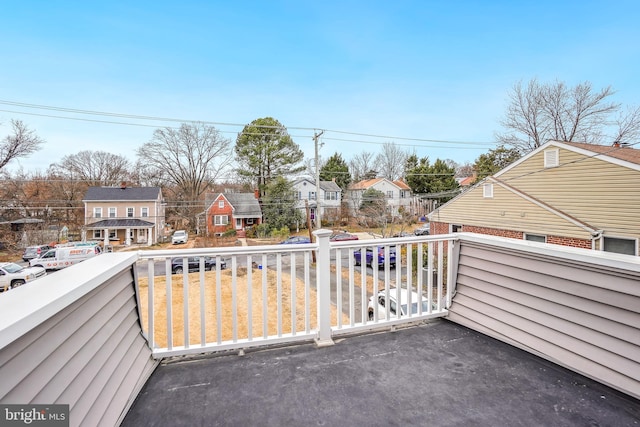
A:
{"x":256,"y":193}
{"x":123,"y":185}
{"x":616,"y":144}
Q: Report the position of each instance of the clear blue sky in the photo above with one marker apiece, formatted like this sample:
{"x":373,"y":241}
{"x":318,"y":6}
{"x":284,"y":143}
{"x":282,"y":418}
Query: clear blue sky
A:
{"x":398,"y":69}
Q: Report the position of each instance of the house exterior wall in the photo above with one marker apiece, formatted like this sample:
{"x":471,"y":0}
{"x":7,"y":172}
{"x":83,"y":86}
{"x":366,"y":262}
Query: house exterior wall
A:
{"x":506,"y":211}
{"x":394,"y":202}
{"x":326,"y":205}
{"x":155,"y":209}
{"x":569,"y":204}
{"x":598,"y":192}
{"x":215,"y":210}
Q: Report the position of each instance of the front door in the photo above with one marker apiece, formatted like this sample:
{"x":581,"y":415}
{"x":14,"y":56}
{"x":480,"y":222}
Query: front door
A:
{"x":238,"y":223}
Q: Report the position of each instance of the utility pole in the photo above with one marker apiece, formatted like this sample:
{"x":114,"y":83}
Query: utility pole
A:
{"x":318,"y":217}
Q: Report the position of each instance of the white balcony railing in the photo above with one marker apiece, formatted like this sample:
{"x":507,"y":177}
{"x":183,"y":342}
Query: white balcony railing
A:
{"x":283,"y":293}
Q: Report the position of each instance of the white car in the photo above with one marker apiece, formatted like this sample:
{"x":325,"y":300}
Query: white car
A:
{"x":179,"y":236}
{"x":381,"y":301}
{"x":13,"y":275}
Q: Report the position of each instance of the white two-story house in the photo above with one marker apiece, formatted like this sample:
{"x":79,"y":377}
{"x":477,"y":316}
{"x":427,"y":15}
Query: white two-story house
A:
{"x":398,"y":194}
{"x":326,"y":201}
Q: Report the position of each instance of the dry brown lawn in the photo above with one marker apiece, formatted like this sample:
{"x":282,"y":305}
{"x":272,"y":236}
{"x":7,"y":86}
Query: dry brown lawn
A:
{"x":225,"y":329}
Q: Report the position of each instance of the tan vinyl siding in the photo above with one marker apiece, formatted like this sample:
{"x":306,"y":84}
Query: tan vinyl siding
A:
{"x":590,"y":323}
{"x":506,"y":210}
{"x":91,"y":355}
{"x":600,"y":193}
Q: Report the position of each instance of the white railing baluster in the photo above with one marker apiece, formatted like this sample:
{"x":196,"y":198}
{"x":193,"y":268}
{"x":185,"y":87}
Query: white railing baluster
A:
{"x":279,"y":291}
{"x":203,"y":321}
{"x":150,"y":296}
{"x":307,"y":293}
{"x":293,"y":302}
{"x":265,"y":309}
{"x":219,"y":308}
{"x":234,"y":297}
{"x":169,"y":298}
{"x":249,"y":298}
{"x":338,"y":253}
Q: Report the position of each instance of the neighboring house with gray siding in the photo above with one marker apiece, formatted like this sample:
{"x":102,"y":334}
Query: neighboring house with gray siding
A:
{"x":123,"y":215}
{"x":566,"y":193}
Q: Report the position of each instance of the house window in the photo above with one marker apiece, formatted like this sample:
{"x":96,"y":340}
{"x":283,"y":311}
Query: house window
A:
{"x":249,"y":221}
{"x":455,"y":228}
{"x":312,"y":195}
{"x":97,"y":212}
{"x":551,"y":158}
{"x":97,"y":234}
{"x":487,"y":191}
{"x":620,"y":246}
{"x":390,"y":194}
{"x":221,"y":220}
{"x":220,"y":204}
{"x":297,"y":195}
{"x":331,"y":195}
{"x":404,"y":194}
{"x":129,"y":212}
{"x":113,"y":234}
{"x":112,"y":212}
{"x":535,"y":238}
{"x":144,"y":212}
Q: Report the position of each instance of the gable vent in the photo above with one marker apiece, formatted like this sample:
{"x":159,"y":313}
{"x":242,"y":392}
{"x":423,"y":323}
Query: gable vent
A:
{"x":551,"y":158}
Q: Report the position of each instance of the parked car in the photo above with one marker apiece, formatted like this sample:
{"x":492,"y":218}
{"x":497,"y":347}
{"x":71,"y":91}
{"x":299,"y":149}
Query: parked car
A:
{"x":294,"y":240}
{"x":380,"y":258}
{"x":177,"y":264}
{"x":341,"y":237}
{"x":382,"y":299}
{"x":13,"y":275}
{"x":31,"y":252}
{"x":179,"y":236}
{"x":423,"y":230}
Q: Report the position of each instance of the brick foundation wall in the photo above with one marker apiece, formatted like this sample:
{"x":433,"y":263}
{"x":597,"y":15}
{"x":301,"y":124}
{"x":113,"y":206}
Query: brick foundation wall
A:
{"x":443,"y":228}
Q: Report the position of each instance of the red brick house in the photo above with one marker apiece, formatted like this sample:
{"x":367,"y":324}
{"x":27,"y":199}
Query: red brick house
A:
{"x":233,"y":211}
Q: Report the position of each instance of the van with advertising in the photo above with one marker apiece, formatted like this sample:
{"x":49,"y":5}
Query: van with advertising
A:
{"x":66,"y":255}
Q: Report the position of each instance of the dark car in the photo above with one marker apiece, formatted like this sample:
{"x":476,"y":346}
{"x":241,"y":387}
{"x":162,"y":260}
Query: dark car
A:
{"x":380,"y":258}
{"x":194,"y":264}
{"x":341,"y":237}
{"x":294,"y":240}
{"x":31,"y":252}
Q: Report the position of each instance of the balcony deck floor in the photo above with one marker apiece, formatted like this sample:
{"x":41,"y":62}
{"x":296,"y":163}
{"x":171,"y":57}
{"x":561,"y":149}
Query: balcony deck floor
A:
{"x":436,"y":374}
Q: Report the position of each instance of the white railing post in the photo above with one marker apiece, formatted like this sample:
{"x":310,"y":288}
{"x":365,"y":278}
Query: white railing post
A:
{"x":323,"y":287}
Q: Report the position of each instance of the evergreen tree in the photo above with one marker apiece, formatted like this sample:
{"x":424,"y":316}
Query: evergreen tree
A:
{"x":494,"y":161}
{"x":336,"y":168}
{"x":279,"y":205}
{"x":264,"y":150}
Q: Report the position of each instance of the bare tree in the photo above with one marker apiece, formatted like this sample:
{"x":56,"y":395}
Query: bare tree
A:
{"x":363,"y":165}
{"x":539,"y":112}
{"x":20,"y":143}
{"x":392,"y":161}
{"x":191,"y":158}
{"x":94,"y":168}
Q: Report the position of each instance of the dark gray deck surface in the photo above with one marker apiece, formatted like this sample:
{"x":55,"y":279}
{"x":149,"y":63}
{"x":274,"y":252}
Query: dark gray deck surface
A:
{"x":437,"y":374}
